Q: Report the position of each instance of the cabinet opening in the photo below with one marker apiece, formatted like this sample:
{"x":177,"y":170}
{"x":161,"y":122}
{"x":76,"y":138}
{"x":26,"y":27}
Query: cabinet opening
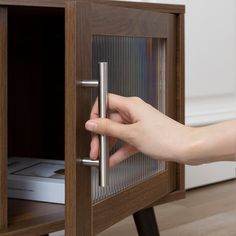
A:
{"x":36,"y":100}
{"x":36,"y":75}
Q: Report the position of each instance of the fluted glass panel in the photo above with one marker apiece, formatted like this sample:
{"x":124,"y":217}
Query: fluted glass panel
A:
{"x":136,"y":67}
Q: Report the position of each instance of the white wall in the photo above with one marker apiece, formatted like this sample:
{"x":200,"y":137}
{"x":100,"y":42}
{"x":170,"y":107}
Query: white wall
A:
{"x":210,"y":42}
{"x":210,"y":61}
{"x":210,"y":75}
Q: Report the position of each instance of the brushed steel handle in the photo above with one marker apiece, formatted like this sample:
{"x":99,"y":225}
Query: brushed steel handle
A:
{"x":89,"y":83}
{"x":102,"y":100}
{"x":89,"y":162}
{"x":102,"y":84}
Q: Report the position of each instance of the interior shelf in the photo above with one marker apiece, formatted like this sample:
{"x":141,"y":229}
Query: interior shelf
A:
{"x":30,"y":218}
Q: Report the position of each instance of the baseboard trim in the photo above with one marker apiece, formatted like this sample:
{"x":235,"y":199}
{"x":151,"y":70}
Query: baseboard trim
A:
{"x":201,"y":111}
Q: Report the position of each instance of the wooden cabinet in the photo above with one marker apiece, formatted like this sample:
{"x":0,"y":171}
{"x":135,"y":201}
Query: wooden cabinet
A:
{"x":46,"y":49}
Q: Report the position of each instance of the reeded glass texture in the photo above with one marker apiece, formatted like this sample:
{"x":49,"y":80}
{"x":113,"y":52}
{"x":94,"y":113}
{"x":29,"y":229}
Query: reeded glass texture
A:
{"x":134,"y":69}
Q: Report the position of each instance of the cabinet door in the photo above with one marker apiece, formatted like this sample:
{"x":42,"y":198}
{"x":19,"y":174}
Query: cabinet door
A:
{"x":3,"y":117}
{"x":140,"y":48}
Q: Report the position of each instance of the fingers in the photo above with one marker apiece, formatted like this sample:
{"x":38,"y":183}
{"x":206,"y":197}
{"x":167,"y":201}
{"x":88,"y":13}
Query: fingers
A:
{"x":123,"y":113}
{"x":110,"y":128}
{"x":119,"y":104}
{"x":94,"y":112}
{"x":122,"y":154}
{"x":115,"y":117}
{"x":112,"y":142}
{"x":94,"y":147}
{"x":114,"y":102}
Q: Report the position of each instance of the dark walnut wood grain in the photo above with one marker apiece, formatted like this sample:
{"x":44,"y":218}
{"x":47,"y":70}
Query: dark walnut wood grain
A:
{"x":156,"y":7}
{"x":124,"y":21}
{"x":78,"y":67}
{"x":84,"y":216}
{"x":133,"y":199}
{"x":3,"y":117}
{"x":180,"y":89}
{"x":82,"y":19}
{"x":164,"y":8}
{"x":108,"y":19}
{"x":33,"y":218}
{"x":70,"y":119}
{"x":180,"y":109}
{"x":121,"y":21}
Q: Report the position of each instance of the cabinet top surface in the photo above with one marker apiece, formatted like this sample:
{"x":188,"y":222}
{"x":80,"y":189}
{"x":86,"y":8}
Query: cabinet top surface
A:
{"x":164,"y":8}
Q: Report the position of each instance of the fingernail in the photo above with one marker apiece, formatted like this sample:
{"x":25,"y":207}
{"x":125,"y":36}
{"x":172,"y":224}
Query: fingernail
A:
{"x":91,"y":125}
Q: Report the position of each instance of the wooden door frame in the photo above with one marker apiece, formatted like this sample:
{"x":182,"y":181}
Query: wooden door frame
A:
{"x":82,"y":218}
{"x":78,"y":215}
{"x":179,"y":193}
{"x":159,"y":26}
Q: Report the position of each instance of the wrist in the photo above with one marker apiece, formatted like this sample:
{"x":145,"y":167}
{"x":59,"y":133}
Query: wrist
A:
{"x":196,"y":147}
{"x":190,"y":152}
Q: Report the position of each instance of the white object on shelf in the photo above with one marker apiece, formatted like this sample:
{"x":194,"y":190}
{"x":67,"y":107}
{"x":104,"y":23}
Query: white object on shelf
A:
{"x":35,"y":179}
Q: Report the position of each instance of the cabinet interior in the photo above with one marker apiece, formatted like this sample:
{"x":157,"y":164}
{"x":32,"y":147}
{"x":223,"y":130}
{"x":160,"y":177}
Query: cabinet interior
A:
{"x":36,"y":76}
{"x":35,"y":105}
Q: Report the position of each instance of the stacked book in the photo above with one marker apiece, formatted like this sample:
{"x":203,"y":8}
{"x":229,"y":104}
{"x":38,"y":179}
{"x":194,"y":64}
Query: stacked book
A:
{"x":36,"y":179}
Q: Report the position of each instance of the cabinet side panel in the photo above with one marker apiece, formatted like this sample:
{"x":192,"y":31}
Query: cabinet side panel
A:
{"x":3,"y":117}
{"x":171,"y":89}
{"x":180,"y":88}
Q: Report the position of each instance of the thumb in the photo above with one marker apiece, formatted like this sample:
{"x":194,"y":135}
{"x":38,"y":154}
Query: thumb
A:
{"x":108,"y":127}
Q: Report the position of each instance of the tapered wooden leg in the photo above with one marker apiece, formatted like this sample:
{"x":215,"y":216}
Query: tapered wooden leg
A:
{"x":146,"y":223}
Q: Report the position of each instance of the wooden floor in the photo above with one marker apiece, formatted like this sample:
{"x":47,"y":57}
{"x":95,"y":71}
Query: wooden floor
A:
{"x":206,"y":211}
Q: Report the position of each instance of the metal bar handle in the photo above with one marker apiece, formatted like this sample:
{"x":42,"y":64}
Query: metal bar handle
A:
{"x":102,"y":85}
{"x":103,"y":102}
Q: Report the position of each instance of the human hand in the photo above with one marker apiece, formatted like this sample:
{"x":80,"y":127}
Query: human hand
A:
{"x":142,"y":128}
